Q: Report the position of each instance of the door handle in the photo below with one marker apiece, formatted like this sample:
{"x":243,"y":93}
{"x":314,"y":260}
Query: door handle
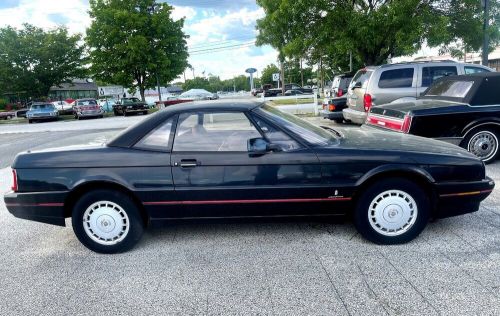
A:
{"x":188,"y":163}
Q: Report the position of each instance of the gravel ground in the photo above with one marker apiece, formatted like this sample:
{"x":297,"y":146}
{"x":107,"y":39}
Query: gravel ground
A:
{"x":270,"y":268}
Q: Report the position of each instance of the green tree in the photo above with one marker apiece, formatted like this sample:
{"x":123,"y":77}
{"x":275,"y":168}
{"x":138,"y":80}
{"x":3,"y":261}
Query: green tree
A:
{"x":196,"y":83}
{"x":33,"y":60}
{"x":133,"y":41}
{"x":267,"y":74}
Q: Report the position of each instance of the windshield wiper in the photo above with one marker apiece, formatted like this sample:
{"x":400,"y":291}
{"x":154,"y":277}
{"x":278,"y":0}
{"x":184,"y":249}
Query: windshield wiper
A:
{"x":332,"y":130}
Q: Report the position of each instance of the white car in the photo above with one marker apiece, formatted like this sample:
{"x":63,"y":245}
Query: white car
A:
{"x":63,"y":107}
{"x":198,"y":94}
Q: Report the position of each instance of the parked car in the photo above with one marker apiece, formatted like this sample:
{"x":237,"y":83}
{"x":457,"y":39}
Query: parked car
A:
{"x":198,"y":94}
{"x":7,"y":115}
{"x":83,"y":108}
{"x":126,"y":106}
{"x":373,"y":86}
{"x":293,"y":92}
{"x":332,"y":108}
{"x":339,"y":86}
{"x":42,"y":111}
{"x":289,"y":86}
{"x":245,"y":159}
{"x":107,"y":104}
{"x":462,"y":110}
{"x":63,"y":107}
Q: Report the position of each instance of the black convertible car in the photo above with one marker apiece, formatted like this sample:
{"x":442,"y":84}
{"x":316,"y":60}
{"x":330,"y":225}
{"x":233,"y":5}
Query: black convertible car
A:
{"x":462,"y":110}
{"x":241,"y":159}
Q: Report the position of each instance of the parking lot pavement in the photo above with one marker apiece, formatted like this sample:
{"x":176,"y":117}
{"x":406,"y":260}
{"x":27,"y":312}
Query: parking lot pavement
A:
{"x":269,"y":268}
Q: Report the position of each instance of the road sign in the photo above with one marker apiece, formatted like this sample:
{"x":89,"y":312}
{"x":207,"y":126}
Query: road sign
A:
{"x":251,"y":70}
{"x":276,"y":76}
{"x":110,"y":90}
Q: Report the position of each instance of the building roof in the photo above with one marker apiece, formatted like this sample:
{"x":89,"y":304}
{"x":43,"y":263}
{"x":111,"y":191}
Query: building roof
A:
{"x":75,"y":86}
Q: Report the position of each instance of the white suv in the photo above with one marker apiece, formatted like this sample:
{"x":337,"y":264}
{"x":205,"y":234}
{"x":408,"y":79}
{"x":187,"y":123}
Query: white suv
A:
{"x":377,"y":85}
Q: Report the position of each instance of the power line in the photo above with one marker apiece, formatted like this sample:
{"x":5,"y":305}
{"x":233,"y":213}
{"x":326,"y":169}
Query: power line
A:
{"x":220,"y":50}
{"x":221,"y":42}
{"x":222,"y":47}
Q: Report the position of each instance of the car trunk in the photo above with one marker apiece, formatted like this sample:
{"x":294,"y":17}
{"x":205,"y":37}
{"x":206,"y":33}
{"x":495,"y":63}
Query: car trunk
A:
{"x":356,"y":96}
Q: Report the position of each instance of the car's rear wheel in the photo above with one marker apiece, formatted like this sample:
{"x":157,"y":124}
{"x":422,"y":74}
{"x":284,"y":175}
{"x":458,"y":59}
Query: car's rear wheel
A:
{"x":107,"y":221}
{"x":482,"y":142}
{"x":392,"y":211}
{"x":338,"y":120}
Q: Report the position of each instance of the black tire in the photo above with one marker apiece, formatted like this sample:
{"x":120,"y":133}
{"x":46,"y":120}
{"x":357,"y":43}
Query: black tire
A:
{"x":30,"y":121}
{"x":124,"y":113}
{"x":135,"y":228}
{"x":145,"y":112}
{"x":362,"y":211}
{"x":339,"y":120}
{"x":487,"y":150}
{"x":115,"y":112}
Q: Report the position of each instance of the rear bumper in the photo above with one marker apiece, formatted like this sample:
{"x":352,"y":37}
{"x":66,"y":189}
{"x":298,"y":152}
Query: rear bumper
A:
{"x":332,"y":115}
{"x":90,"y":114}
{"x":45,"y":207}
{"x":457,"y":198}
{"x":354,"y":116}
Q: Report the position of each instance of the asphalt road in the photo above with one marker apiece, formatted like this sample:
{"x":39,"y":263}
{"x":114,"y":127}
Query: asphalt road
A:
{"x":270,"y":268}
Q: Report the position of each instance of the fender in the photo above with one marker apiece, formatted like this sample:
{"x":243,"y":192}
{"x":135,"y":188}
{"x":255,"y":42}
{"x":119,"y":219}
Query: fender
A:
{"x":408,"y":169}
{"x":480,"y":122}
{"x":101,"y":179}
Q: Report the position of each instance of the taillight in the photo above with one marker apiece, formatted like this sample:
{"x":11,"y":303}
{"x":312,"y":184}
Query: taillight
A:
{"x":340,"y":93}
{"x":405,"y":128}
{"x":367,"y":101}
{"x":331,"y":107}
{"x":14,"y":180}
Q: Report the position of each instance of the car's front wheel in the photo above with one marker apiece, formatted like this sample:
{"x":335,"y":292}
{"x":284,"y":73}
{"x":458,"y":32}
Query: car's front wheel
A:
{"x":482,"y":142}
{"x":392,"y":211}
{"x":107,"y":221}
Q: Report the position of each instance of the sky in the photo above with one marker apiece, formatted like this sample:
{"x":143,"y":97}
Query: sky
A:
{"x":221,"y":32}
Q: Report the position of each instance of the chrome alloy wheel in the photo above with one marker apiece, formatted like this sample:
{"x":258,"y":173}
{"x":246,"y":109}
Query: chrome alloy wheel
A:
{"x":484,"y":145}
{"x":392,"y":213}
{"x":106,"y":223}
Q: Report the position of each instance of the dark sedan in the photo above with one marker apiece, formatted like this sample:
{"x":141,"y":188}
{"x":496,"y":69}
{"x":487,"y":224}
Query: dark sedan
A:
{"x":462,"y":110}
{"x":238,"y":159}
{"x":128,"y":106}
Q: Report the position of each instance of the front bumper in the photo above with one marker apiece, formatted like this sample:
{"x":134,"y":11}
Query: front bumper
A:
{"x":44,"y":207}
{"x":43,"y":117}
{"x":457,"y":198}
{"x":356,"y":117}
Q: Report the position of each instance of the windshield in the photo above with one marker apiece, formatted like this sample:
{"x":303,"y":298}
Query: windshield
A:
{"x":450,"y":88}
{"x":132,"y":100}
{"x":42,"y":107}
{"x":312,"y":134}
{"x":87,"y":102}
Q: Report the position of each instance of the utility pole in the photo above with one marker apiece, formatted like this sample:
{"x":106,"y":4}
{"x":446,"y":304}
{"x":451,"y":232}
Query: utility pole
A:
{"x":151,"y":11}
{"x":350,"y":61}
{"x":486,"y":41}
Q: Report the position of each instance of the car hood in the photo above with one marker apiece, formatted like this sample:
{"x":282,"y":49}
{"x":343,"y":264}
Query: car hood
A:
{"x":42,"y":111}
{"x":369,"y":138}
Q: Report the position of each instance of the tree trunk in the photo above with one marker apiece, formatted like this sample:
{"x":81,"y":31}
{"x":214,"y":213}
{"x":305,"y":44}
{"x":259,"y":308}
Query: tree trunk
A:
{"x":141,"y":90}
{"x":301,"y":74}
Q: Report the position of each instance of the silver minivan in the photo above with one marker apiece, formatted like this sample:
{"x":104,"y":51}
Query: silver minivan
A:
{"x":377,"y":85}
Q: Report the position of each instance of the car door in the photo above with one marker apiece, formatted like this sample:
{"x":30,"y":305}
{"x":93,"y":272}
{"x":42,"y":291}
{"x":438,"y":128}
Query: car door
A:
{"x":215,"y":176}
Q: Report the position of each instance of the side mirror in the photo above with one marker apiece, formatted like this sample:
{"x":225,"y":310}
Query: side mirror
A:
{"x":260,"y":146}
{"x":357,"y":85}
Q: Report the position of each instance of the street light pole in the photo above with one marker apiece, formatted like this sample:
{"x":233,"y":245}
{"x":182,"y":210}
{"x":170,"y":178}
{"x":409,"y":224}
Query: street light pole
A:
{"x":486,"y":6}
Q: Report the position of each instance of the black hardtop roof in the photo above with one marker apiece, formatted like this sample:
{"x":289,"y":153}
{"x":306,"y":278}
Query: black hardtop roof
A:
{"x":132,"y":134}
{"x":478,"y":75}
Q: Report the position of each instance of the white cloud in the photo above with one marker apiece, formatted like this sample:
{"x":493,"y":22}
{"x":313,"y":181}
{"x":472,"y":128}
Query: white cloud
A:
{"x":180,"y":12}
{"x":73,"y":14}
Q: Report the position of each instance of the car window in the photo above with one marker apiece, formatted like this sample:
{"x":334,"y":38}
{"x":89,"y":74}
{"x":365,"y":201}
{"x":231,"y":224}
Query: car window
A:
{"x":431,"y":74}
{"x":311,"y":133}
{"x":344,"y":83}
{"x":157,"y":139}
{"x":42,"y":107}
{"x":277,"y":137}
{"x":473,"y":70}
{"x":362,"y":77}
{"x":396,"y":78}
{"x":450,"y":88}
{"x":214,"y":132}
